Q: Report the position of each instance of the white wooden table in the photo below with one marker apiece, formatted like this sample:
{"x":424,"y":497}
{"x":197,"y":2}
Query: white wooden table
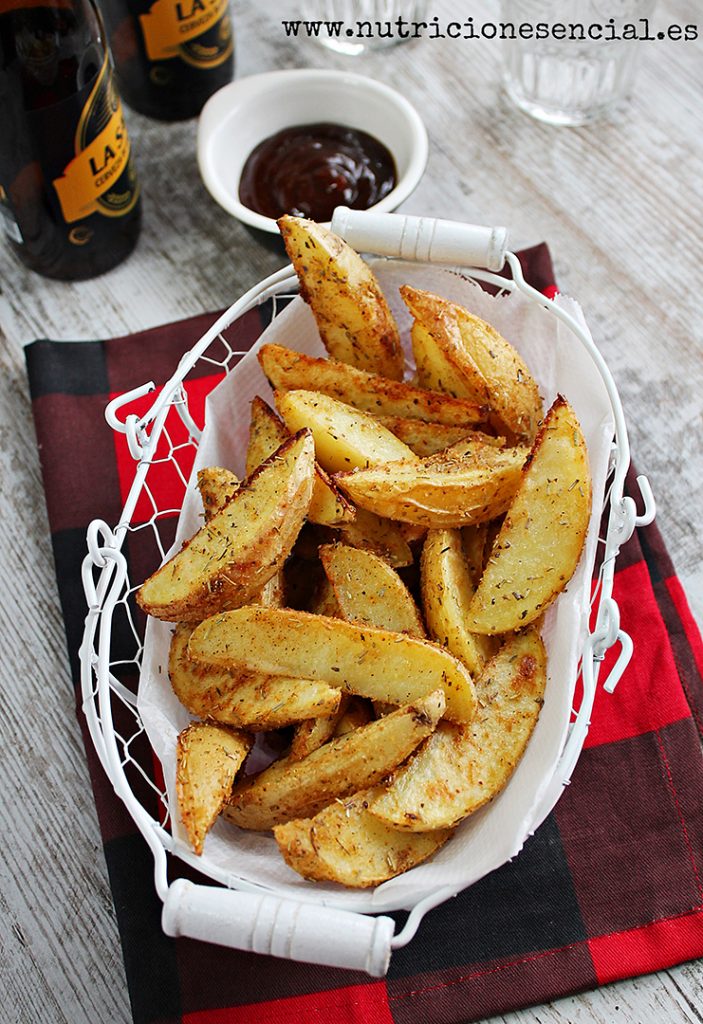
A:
{"x":621,"y":207}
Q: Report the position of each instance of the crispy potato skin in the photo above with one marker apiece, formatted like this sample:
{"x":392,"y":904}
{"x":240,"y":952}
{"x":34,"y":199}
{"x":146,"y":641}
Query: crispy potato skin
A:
{"x":287,"y":370}
{"x":346,"y":764}
{"x":352,"y":315}
{"x":242,"y":546}
{"x":208,"y":758}
{"x":540,"y":542}
{"x":344,"y":843}
{"x":460,"y":768}
{"x":217,"y":486}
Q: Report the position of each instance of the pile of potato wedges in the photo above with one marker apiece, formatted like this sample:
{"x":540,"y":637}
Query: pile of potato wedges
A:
{"x":375,"y":585}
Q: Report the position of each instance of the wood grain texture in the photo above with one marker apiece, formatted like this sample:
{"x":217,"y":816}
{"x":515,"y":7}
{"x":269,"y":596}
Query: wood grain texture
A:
{"x":620,"y":204}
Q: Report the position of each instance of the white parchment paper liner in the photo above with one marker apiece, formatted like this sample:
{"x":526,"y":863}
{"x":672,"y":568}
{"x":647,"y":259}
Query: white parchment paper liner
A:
{"x":497,"y":832}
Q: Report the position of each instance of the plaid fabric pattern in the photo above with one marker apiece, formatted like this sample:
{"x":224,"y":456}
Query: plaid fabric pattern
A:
{"x":610,"y":886}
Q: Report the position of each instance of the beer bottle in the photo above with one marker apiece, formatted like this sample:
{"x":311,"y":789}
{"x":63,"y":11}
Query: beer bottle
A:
{"x":170,"y":55}
{"x":69,"y":197}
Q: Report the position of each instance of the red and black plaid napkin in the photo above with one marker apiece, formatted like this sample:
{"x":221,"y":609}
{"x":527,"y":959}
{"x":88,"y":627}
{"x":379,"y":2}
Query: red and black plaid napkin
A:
{"x":610,"y":886}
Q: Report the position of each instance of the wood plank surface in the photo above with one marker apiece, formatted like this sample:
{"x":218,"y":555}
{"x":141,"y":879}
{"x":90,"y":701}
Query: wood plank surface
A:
{"x":620,"y":204}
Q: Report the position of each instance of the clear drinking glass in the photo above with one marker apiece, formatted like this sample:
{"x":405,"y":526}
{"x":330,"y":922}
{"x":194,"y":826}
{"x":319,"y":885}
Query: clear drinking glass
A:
{"x":354,"y":40}
{"x":572,"y":81}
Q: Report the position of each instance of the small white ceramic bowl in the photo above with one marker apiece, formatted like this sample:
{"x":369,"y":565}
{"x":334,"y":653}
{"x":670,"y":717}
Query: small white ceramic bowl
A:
{"x":241,"y":115}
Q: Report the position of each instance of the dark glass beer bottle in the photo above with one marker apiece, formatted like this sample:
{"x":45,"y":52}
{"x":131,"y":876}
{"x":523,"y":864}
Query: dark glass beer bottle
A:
{"x":69,"y":196}
{"x":170,"y":55}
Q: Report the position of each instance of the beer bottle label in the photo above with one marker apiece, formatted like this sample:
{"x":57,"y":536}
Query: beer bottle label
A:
{"x":197,"y":31}
{"x":100,"y":178}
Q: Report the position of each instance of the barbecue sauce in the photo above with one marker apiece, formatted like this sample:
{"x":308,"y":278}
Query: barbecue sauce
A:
{"x":309,"y":169}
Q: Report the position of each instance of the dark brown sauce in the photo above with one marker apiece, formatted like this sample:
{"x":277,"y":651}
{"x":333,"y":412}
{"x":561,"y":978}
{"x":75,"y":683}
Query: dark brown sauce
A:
{"x":309,"y":169}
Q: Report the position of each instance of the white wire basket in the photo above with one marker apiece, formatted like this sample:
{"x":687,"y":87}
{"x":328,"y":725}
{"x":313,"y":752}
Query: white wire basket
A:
{"x":307,"y":923}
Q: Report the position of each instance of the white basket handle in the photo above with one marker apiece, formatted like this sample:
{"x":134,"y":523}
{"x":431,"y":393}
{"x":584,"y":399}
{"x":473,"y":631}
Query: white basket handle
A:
{"x":279,"y":927}
{"x":421,"y":239}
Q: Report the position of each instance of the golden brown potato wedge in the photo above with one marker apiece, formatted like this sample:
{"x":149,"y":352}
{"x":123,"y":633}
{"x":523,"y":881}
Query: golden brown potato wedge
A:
{"x":216,"y":486}
{"x":540,"y":543}
{"x":245,"y":699}
{"x":311,"y":734}
{"x":208,"y":758}
{"x":441,"y":362}
{"x":328,"y":506}
{"x":344,"y":436}
{"x":466,"y":448}
{"x":382,"y":536}
{"x":351,"y":762}
{"x":267,"y":432}
{"x":242,"y":546}
{"x":450,"y":493}
{"x":369,"y":591}
{"x":425,"y":438}
{"x":352,"y":315}
{"x":344,"y":843}
{"x":370,"y":662}
{"x":460,"y":768}
{"x":447,"y":589}
{"x":513,"y":392}
{"x":287,"y":370}
{"x":479,"y":354}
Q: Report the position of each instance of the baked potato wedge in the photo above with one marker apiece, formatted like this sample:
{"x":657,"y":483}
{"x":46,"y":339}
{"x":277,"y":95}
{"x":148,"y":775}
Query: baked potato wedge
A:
{"x":355,"y":324}
{"x":540,"y":542}
{"x":242,"y":546}
{"x":344,"y":843}
{"x":370,"y":662}
{"x":208,"y":758}
{"x":369,"y":591}
{"x":328,"y":506}
{"x":466,"y":448}
{"x":460,"y":768}
{"x":425,"y":438}
{"x":217,"y":486}
{"x":357,"y":760}
{"x":267,"y":432}
{"x":450,"y":493}
{"x":482,"y":354}
{"x":311,"y":734}
{"x":447,"y":589}
{"x":246,"y":699}
{"x":382,"y":536}
{"x":287,"y":370}
{"x":440,"y":361}
{"x":344,"y":437}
